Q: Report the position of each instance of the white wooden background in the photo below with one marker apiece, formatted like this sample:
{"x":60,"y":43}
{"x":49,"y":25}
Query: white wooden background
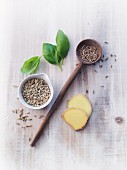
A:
{"x":24,"y":26}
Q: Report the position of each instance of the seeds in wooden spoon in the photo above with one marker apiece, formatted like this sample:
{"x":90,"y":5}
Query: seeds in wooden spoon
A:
{"x":88,"y":53}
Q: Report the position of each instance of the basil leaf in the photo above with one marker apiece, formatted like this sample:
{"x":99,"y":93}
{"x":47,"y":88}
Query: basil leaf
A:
{"x":51,"y":55}
{"x":56,"y":54}
{"x":49,"y":52}
{"x":62,"y":44}
{"x":34,"y":71}
{"x":30,"y":66}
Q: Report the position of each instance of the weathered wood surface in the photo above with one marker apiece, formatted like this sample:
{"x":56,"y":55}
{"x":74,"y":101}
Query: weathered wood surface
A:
{"x":103,"y":143}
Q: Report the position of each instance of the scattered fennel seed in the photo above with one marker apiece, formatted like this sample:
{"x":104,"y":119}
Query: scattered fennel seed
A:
{"x":106,"y":59}
{"x":87,"y":91}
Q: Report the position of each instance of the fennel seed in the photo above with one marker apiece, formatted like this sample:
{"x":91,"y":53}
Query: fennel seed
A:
{"x":29,"y":119}
{"x":41,"y":116}
{"x":106,"y":59}
{"x":100,"y":66}
{"x":87,"y":91}
{"x":29,"y":139}
{"x":28,"y":125}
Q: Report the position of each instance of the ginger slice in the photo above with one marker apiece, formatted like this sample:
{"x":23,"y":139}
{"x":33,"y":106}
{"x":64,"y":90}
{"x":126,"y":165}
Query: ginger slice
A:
{"x":80,"y":101}
{"x":76,"y":118}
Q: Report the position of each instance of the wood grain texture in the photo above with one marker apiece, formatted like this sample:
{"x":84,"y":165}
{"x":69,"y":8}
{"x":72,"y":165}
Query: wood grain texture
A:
{"x":25,"y":25}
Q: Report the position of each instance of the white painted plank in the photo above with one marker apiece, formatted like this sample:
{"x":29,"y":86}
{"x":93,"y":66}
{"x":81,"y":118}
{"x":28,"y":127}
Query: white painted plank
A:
{"x":25,"y":25}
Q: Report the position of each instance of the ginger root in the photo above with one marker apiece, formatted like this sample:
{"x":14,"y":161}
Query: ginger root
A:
{"x":80,"y":101}
{"x":76,"y":118}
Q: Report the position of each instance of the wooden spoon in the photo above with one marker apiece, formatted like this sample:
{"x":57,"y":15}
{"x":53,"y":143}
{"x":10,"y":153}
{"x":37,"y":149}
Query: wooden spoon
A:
{"x":87,"y":42}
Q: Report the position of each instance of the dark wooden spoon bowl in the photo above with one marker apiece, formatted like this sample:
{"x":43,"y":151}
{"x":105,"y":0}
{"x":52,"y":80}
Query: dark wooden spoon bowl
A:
{"x":89,"y":42}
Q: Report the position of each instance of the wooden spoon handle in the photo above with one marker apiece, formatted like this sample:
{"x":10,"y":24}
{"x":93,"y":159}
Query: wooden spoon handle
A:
{"x":57,"y":102}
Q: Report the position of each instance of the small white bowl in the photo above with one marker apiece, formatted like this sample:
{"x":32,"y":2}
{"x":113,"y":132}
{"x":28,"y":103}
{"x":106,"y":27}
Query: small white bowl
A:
{"x":40,"y":76}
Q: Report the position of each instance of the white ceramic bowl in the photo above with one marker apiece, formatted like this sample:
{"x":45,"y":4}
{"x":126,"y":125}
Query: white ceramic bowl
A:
{"x":40,"y":76}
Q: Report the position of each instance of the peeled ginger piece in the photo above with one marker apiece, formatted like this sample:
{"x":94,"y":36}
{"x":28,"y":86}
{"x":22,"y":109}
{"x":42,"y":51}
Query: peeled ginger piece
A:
{"x":80,"y":101}
{"x":76,"y":118}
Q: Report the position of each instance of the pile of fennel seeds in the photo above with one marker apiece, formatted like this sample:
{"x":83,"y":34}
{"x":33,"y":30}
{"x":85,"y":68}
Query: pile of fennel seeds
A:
{"x":36,"y":92}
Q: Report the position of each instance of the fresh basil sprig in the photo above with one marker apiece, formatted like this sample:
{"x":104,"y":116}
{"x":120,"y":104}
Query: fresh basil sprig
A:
{"x":54,"y":54}
{"x":57,"y":53}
